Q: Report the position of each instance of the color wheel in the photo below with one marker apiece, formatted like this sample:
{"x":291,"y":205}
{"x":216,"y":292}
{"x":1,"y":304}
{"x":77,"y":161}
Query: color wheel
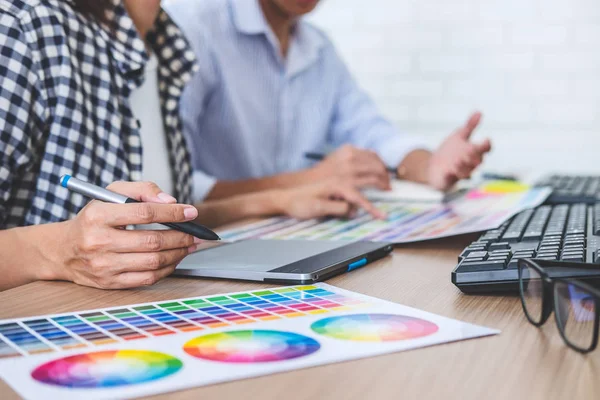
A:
{"x":251,"y":346}
{"x":374,"y":327}
{"x":104,"y":369}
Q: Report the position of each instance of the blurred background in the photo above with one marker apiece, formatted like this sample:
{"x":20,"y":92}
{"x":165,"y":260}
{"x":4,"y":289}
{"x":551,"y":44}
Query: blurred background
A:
{"x":532,"y":67}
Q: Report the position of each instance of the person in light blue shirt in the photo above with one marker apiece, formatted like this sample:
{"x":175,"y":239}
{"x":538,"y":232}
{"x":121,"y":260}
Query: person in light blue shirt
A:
{"x":272,"y":87}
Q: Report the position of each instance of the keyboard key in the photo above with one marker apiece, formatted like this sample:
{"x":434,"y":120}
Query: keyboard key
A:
{"x":481,"y":266}
{"x":548,"y":248}
{"x":523,"y":254}
{"x":470,"y":250}
{"x":478,"y":254}
{"x":500,"y":246}
{"x":572,"y":258}
{"x":547,"y":257}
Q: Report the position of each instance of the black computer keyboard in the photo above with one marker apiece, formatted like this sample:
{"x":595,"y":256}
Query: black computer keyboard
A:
{"x":560,"y":232}
{"x":571,"y":189}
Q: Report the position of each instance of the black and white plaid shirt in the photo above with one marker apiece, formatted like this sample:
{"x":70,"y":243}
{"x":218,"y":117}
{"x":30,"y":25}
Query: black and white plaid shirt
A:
{"x":64,"y":89}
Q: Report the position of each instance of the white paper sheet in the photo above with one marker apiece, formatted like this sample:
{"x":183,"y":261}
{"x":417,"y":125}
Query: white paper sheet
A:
{"x":333,"y":325}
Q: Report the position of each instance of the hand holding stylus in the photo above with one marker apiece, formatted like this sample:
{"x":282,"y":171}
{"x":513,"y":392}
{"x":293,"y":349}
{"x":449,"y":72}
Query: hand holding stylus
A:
{"x":95,"y":250}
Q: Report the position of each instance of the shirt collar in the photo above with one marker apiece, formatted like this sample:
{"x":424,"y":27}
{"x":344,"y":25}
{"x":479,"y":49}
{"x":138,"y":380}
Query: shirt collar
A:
{"x":305,"y":45}
{"x":127,"y":47}
{"x":305,"y":48}
{"x":165,"y":38}
{"x":248,"y":17}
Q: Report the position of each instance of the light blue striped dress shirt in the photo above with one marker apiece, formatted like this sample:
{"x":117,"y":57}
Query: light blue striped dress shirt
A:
{"x":250,"y":113}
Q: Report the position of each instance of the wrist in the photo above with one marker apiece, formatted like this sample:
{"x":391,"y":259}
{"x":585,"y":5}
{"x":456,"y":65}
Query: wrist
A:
{"x":45,"y":246}
{"x":262,"y":204}
{"x":311,"y":175}
{"x":416,"y":166}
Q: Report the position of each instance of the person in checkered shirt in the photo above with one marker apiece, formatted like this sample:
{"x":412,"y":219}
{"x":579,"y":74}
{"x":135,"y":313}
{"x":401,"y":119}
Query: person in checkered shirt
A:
{"x":68,"y":70}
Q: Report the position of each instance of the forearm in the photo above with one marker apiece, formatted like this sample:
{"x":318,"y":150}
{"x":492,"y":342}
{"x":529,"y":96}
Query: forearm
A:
{"x":22,"y":259}
{"x":215,"y":213}
{"x":226,"y":189}
{"x":415,"y":166}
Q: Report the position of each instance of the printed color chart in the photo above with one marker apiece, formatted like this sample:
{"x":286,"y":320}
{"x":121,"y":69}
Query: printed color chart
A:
{"x":110,"y":326}
{"x":406,"y":222}
{"x":144,"y":349}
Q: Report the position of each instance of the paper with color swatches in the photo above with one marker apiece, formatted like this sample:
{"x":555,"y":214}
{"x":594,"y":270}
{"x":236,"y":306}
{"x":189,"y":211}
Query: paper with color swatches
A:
{"x":145,"y":349}
{"x":483,"y":208}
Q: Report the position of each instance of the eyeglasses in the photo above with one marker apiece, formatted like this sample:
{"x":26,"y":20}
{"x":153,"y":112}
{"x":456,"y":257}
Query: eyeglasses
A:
{"x":575,"y":303}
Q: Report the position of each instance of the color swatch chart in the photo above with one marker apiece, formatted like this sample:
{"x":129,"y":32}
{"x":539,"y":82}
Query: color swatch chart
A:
{"x":478,"y":210}
{"x":117,"y":325}
{"x":146,"y":349}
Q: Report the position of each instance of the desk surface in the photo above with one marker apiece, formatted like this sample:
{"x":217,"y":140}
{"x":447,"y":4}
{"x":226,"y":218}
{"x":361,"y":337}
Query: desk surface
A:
{"x":521,"y":363}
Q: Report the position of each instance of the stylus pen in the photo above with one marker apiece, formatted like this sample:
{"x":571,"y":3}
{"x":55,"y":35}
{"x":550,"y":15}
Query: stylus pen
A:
{"x":98,"y":193}
{"x":321,"y":157}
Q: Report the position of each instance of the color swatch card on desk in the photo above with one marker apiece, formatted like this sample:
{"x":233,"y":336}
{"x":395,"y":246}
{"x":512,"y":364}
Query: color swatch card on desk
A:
{"x":485,"y":207}
{"x":145,"y":349}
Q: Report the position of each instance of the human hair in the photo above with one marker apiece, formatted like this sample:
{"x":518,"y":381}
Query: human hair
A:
{"x":93,"y":8}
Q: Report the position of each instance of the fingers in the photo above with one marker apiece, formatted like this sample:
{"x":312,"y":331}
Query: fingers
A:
{"x":358,"y":166}
{"x":370,"y":181}
{"x":147,"y":278}
{"x":336,"y":208}
{"x":466,"y":131}
{"x":139,"y":213}
{"x":355,"y":198}
{"x":116,"y":264}
{"x":150,"y":241}
{"x":368,"y":164}
{"x":484,"y":147}
{"x":142,"y":191}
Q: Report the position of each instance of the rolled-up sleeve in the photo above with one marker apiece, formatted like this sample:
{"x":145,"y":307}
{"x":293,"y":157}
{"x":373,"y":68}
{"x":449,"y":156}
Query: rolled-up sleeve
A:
{"x":358,"y":121}
{"x":21,"y":113}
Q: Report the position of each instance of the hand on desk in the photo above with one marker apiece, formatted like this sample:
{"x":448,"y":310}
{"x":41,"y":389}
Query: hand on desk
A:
{"x":96,"y":251}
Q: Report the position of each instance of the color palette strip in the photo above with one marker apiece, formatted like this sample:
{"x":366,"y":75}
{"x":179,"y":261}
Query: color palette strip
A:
{"x":94,"y":328}
{"x":406,"y":222}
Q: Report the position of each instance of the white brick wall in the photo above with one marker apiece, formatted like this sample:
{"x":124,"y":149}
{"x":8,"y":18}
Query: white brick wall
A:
{"x":532,"y":67}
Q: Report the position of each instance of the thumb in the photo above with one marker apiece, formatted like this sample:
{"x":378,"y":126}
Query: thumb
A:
{"x":484,"y":147}
{"x":467,"y":130}
{"x":332,"y":208}
{"x":142,"y":191}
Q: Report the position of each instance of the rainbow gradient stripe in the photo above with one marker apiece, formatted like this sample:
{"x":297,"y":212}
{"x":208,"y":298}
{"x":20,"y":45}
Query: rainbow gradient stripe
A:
{"x":104,"y":369}
{"x":374,"y":327}
{"x":251,"y":346}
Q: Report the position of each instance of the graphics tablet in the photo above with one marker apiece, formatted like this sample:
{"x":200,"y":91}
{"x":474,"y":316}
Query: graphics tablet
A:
{"x":281,"y":261}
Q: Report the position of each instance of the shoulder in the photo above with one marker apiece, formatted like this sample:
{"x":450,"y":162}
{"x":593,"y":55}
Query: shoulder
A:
{"x":18,"y":9}
{"x":198,"y":15}
{"x":204,"y":23}
{"x":34,"y":19}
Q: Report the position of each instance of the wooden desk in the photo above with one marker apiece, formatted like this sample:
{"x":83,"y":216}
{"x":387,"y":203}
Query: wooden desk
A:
{"x":521,"y":363}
